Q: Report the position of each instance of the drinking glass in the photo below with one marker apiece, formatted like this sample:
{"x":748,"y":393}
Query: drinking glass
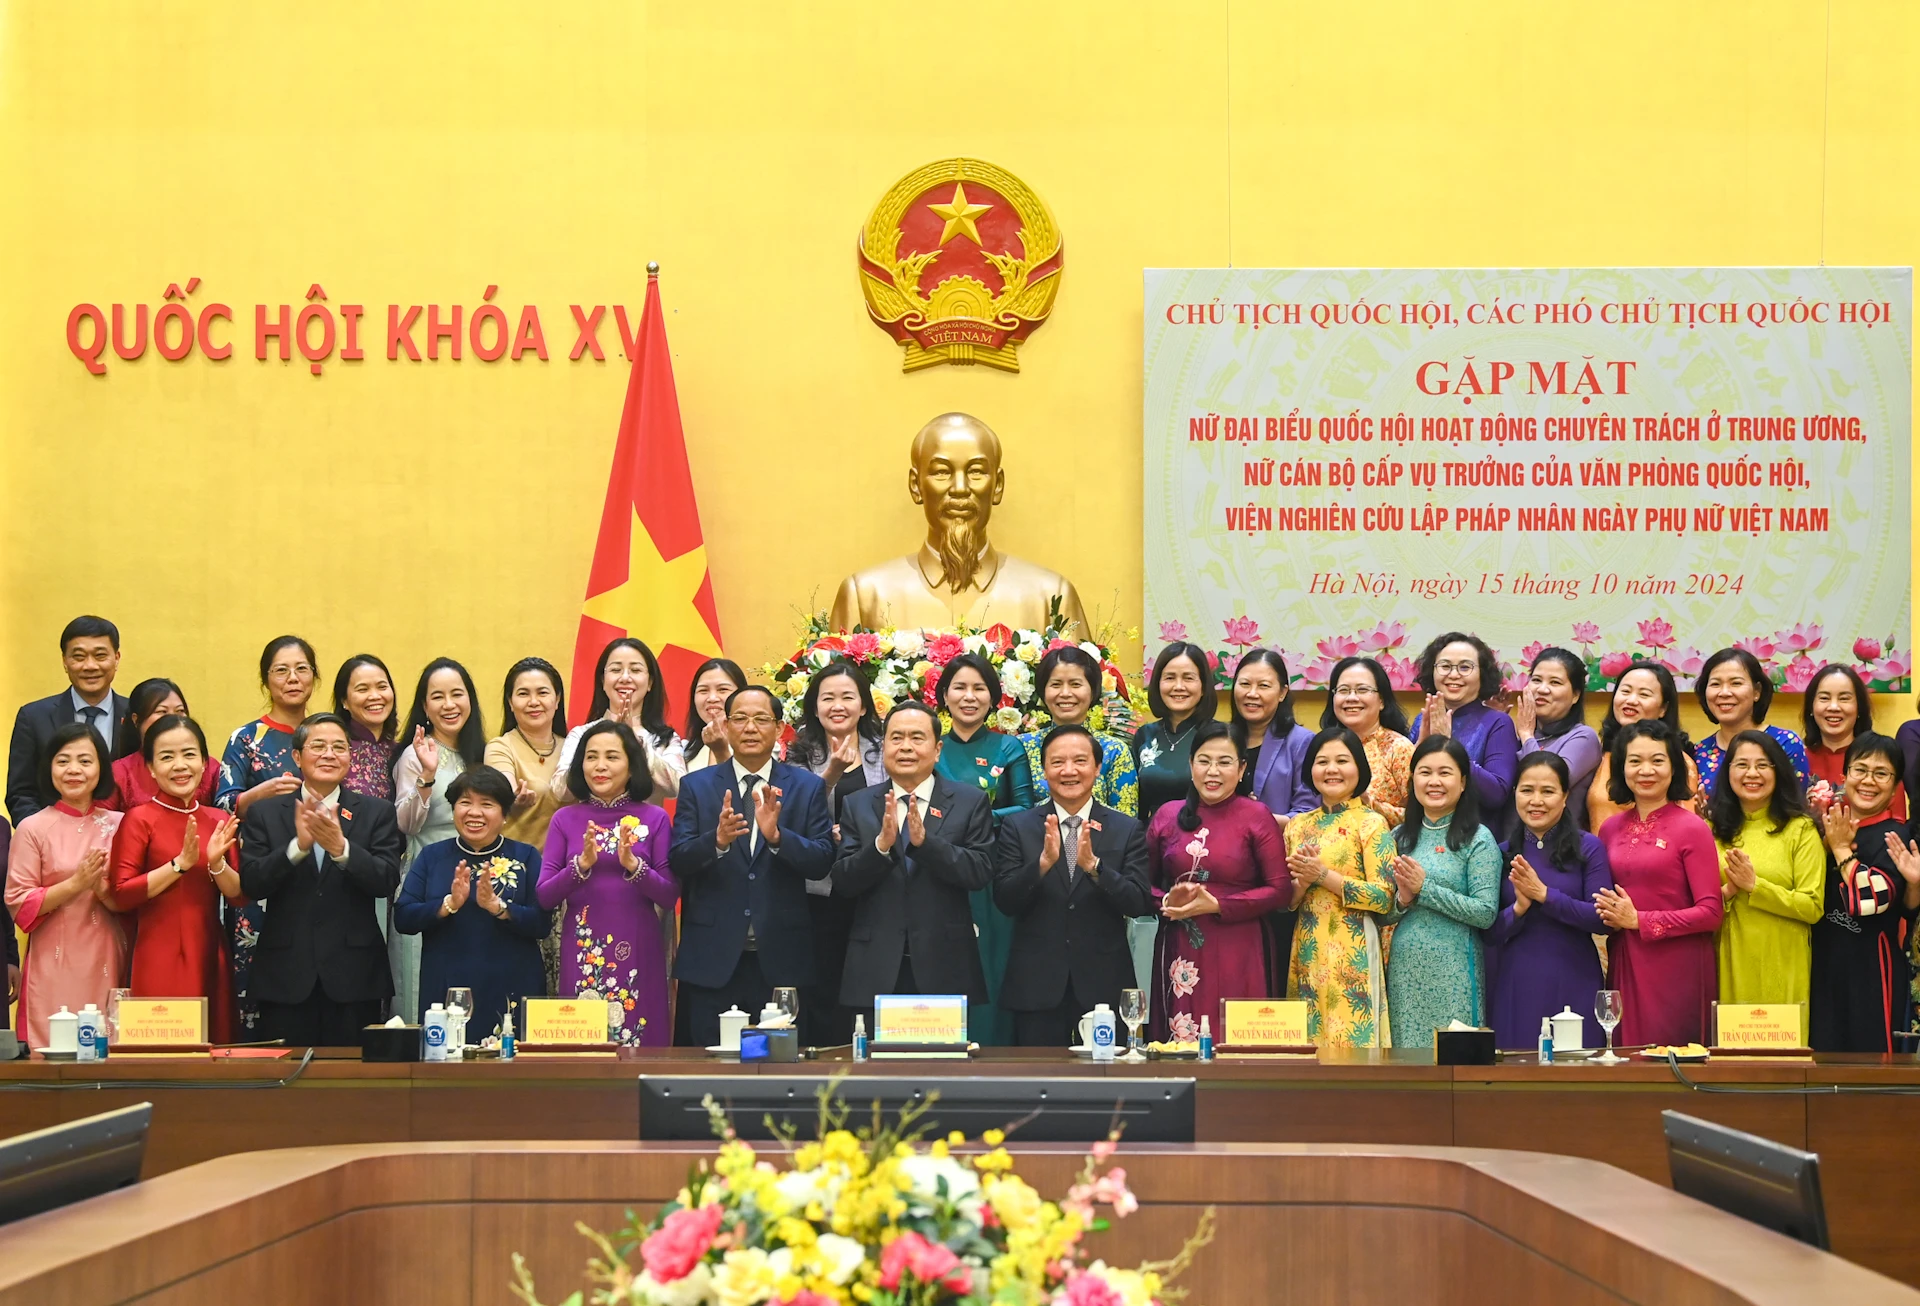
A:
{"x":460,"y":1007}
{"x":1133,"y":1010}
{"x":113,"y":1012}
{"x":1606,"y":1007}
{"x":788,"y":1000}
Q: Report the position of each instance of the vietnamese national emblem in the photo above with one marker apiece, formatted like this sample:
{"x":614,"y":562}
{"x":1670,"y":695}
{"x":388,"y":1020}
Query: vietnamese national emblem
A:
{"x":960,"y":262}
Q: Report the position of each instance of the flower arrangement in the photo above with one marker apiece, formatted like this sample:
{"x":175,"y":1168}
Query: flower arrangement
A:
{"x":907,"y":662}
{"x":1790,"y":657}
{"x":875,"y":1216}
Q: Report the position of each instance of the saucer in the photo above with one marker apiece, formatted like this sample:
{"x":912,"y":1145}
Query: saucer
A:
{"x":718,"y":1051}
{"x":50,"y":1055}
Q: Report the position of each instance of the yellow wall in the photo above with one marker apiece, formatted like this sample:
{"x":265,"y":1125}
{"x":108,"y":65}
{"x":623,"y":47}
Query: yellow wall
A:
{"x":416,"y":153}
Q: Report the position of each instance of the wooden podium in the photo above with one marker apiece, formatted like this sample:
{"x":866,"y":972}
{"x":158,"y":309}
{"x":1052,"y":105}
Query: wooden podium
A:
{"x":434,"y":1224}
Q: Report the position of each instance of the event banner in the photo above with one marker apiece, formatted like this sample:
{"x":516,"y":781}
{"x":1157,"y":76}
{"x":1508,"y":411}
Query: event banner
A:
{"x":1621,"y":461}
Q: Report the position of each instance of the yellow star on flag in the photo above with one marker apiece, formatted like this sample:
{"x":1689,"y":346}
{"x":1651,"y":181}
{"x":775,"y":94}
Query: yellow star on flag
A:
{"x":959,"y":215}
{"x":655,"y":602}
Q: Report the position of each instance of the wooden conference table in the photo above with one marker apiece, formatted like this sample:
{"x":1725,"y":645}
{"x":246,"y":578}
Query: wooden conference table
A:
{"x":1870,"y":1160}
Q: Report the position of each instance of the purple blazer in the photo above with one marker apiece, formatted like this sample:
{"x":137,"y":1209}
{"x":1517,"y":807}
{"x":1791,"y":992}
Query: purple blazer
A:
{"x":1279,"y":779}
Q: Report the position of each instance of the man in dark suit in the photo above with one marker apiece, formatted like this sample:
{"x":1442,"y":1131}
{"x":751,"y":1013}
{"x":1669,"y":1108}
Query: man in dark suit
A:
{"x":747,"y":836}
{"x":1069,"y":873}
{"x":326,"y":860}
{"x":90,"y":650}
{"x":911,"y":849}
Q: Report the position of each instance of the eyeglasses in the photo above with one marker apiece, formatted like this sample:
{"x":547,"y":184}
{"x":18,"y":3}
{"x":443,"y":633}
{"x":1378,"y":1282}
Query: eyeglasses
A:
{"x":763,"y":722}
{"x":1456,"y":668}
{"x":285,"y":672}
{"x":1356,"y":691}
{"x":317,"y":749}
{"x":1880,"y":774}
{"x":1211,"y":764}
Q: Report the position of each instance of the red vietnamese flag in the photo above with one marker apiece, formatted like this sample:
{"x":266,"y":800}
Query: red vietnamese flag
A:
{"x":649,"y":577}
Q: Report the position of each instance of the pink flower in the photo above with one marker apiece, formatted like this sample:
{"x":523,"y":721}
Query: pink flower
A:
{"x":1656,"y":634}
{"x":1231,"y":667}
{"x":1801,"y":638}
{"x":1586,"y":632}
{"x":1800,"y":674}
{"x":863,"y":646}
{"x":1085,"y":1289}
{"x":1185,"y":976}
{"x":1685,"y":662}
{"x":1402,"y":673}
{"x":1892,"y":670}
{"x":1516,"y":682}
{"x":1386,"y":635}
{"x":1183,"y":1028}
{"x":1335,"y":647}
{"x":1866,"y":649}
{"x":942,"y":649}
{"x":1532,"y":651}
{"x":925,"y":1261}
{"x":1103,"y":1149}
{"x":1613,"y":664}
{"x":1242,"y":632}
{"x":1759,"y":645}
{"x":1313,"y":675}
{"x":683,"y":1238}
{"x":1173,"y":632}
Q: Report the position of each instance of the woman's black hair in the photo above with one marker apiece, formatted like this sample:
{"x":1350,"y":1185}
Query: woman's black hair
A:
{"x":1610,"y":725}
{"x":1724,"y":812}
{"x":482,"y":782}
{"x":174,"y":721}
{"x":1576,"y":668}
{"x":1209,"y":692}
{"x":697,"y":724}
{"x":968,"y":662}
{"x":1205,"y":733}
{"x":1072,"y":655}
{"x":1391,"y":717}
{"x":1678,"y":789}
{"x":809,"y":736}
{"x":1283,"y":722}
{"x":283,"y":641}
{"x":1466,"y":813}
{"x":1876,"y":745}
{"x":1862,"y":702}
{"x":472,"y":742}
{"x":1339,"y":734}
{"x":70,"y":733}
{"x":1562,"y":842}
{"x":390,"y":728}
{"x":639,"y":774}
{"x":1489,"y":664}
{"x":1762,"y":686}
{"x":507,"y":720}
{"x":653,"y":703}
{"x":146,"y":696}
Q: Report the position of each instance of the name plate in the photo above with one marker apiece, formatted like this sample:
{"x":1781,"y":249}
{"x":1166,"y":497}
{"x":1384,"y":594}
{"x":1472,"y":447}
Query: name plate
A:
{"x":1761,"y":1025}
{"x":920,"y":1018}
{"x":163,"y":1021}
{"x":1257,"y":1022}
{"x":566,"y":1020}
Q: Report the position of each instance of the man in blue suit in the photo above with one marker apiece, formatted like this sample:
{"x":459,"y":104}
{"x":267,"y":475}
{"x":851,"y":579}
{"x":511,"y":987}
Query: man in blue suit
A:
{"x":747,"y":836}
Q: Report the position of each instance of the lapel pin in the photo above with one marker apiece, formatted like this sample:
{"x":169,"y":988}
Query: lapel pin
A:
{"x":933,"y":812}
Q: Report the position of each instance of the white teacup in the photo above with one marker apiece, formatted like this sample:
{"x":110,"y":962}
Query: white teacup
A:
{"x":732,"y":1021}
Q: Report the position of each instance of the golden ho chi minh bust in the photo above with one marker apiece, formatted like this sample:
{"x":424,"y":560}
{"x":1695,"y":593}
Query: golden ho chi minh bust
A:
{"x":957,"y":577}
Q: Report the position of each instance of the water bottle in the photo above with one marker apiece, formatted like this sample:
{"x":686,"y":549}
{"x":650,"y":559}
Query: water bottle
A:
{"x":859,"y":1038}
{"x":1102,"y":1030}
{"x":506,"y":1035}
{"x":91,"y":1034}
{"x":1546,"y":1041}
{"x":435,"y":1027}
{"x":1206,"y":1039}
